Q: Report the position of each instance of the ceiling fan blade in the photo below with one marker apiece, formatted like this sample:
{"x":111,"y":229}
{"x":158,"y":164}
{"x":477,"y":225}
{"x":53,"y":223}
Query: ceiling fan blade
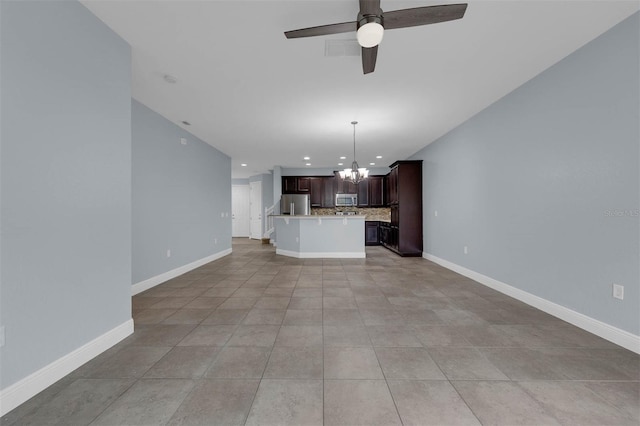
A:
{"x":370,"y":7}
{"x":369,"y":56}
{"x":423,"y":15}
{"x":344,"y":27}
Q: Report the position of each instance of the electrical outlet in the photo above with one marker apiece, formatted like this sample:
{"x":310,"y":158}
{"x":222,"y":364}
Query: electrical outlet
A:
{"x":618,"y":291}
{"x":215,"y":241}
{"x":2,"y":336}
{"x":221,"y":214}
{"x":168,"y":252}
{"x":297,"y":239}
{"x":435,"y":213}
{"x":466,"y":250}
{"x":183,"y":141}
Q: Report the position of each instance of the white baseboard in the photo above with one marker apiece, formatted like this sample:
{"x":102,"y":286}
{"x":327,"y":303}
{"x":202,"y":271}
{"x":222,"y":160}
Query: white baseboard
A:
{"x":320,"y":255}
{"x":31,"y":385}
{"x":159,"y":279}
{"x":613,"y":334}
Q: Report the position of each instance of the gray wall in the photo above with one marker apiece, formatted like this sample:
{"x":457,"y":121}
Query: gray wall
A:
{"x":267,"y":191}
{"x":529,"y":183}
{"x":179,"y":194}
{"x":65,"y":182}
{"x":277,"y":188}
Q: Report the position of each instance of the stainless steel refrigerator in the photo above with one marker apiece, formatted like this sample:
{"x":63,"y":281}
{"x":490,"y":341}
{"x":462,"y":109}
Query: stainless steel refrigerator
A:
{"x":301,"y":204}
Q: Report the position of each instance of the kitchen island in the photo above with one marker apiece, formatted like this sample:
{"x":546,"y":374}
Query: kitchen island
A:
{"x":316,"y":236}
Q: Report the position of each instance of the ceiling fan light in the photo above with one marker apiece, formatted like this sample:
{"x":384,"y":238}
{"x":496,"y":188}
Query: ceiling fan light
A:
{"x":370,"y":34}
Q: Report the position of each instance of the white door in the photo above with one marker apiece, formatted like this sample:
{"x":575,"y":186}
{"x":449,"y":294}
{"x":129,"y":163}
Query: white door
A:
{"x":240,"y":211}
{"x":256,"y":210}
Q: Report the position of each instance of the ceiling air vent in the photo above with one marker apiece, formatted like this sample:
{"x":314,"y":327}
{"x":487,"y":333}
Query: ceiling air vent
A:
{"x":341,"y":48}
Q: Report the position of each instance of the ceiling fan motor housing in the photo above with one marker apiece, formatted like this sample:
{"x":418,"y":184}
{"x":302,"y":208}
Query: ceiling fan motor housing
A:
{"x":365,"y":19}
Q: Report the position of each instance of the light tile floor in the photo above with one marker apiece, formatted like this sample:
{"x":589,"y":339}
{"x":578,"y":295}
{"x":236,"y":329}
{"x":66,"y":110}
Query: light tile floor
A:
{"x":256,"y":338}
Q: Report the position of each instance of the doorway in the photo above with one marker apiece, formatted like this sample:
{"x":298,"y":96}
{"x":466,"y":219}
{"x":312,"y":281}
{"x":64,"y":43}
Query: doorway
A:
{"x":240,"y":211}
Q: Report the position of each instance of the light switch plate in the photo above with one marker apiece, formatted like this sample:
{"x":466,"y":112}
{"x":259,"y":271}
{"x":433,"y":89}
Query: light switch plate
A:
{"x":618,"y":291}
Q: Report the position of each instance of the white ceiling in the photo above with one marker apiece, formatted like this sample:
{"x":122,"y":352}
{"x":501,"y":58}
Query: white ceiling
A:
{"x":266,"y":101}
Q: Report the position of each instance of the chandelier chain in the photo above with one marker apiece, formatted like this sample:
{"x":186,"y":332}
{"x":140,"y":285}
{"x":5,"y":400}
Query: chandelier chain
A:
{"x":354,"y":139}
{"x":355,"y":174}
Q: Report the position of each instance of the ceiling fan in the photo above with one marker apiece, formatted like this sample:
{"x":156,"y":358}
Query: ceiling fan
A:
{"x":372,"y":21}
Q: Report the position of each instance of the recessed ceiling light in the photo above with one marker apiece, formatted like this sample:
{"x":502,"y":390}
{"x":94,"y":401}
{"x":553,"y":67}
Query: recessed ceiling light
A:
{"x":343,"y":158}
{"x":186,"y":123}
{"x":170,"y":79}
{"x":306,"y":158}
{"x":340,"y":164}
{"x":372,"y":164}
{"x":308,"y":164}
{"x":378,"y":156}
{"x":243,"y":165}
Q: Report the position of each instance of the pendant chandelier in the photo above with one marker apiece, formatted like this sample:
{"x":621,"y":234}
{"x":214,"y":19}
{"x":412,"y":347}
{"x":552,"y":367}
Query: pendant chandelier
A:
{"x":355,"y":174}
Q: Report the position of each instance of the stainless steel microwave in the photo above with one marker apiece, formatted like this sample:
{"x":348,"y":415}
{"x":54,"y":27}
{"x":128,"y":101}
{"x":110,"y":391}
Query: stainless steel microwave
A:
{"x":346,"y":200}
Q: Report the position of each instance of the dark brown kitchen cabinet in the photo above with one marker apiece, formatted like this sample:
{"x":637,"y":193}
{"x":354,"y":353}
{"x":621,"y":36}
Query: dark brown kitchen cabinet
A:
{"x":337,"y":183}
{"x":323,"y":189}
{"x":363,"y":193}
{"x":296,"y":184}
{"x":392,"y":187}
{"x":371,"y":229}
{"x":316,"y":191}
{"x":384,"y":233}
{"x":405,"y":200}
{"x":320,"y":189}
{"x":328,"y":192}
{"x":289,"y":184}
{"x":344,"y":187}
{"x":376,"y":191}
{"x":389,"y":236}
{"x":304,"y":185}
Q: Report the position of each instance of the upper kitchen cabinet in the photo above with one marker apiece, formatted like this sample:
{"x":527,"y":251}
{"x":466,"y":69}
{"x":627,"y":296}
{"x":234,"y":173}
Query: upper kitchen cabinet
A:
{"x":392,"y":186}
{"x":289,"y":185}
{"x":344,"y":187}
{"x":405,"y":199}
{"x":316,"y":191}
{"x":363,"y":193}
{"x":323,"y":189}
{"x":376,"y":191}
{"x":328,"y":192}
{"x":296,"y":184}
{"x":320,"y":188}
{"x":304,"y":185}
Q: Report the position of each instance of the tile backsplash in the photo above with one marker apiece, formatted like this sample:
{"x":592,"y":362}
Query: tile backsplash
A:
{"x":381,"y":213}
